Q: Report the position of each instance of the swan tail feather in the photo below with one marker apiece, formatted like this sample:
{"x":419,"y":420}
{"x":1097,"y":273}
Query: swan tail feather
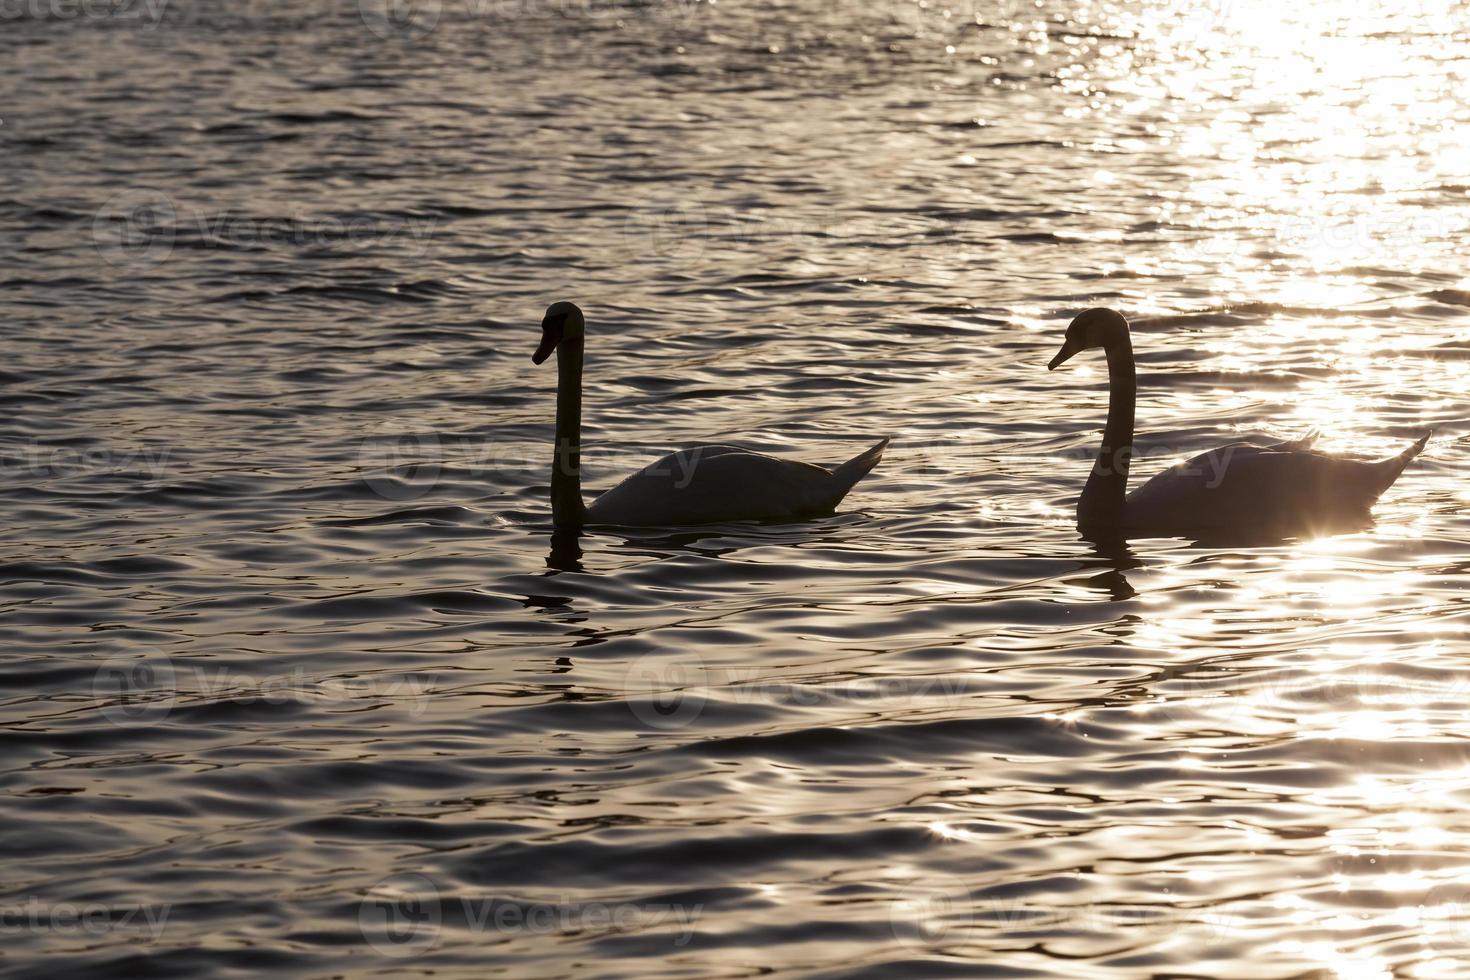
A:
{"x":846,"y":476}
{"x":1390,"y":469}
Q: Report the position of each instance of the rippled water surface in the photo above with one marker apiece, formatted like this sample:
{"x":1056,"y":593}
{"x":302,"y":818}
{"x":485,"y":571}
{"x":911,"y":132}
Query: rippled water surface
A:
{"x":296,"y":681}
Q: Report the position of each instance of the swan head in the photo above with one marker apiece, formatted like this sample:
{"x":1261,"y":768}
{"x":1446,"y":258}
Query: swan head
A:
{"x":1099,"y":327}
{"x":561,"y":322}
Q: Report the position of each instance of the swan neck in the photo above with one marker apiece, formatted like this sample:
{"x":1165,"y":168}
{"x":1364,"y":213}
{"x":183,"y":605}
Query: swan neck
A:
{"x":1101,"y":504}
{"x":567,"y":509}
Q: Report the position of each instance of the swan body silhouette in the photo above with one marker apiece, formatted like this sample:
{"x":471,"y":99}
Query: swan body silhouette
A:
{"x":698,"y":485}
{"x":1288,"y":488}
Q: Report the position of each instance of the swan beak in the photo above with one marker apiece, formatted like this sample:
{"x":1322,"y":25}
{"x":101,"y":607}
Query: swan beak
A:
{"x":1064,"y":355}
{"x":548,"y":344}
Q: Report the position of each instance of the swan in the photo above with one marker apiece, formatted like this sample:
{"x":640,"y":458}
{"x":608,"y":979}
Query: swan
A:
{"x":1285,"y":488}
{"x":699,"y":485}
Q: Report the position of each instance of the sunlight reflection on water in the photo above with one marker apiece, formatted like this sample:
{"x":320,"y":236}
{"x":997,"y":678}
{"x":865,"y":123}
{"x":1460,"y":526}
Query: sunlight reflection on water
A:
{"x":291,"y":638}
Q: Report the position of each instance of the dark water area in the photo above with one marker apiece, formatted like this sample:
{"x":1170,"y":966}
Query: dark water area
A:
{"x":296,"y":680}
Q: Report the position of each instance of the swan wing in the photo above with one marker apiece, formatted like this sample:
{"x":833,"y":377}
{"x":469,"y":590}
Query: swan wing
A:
{"x":1245,"y":488}
{"x":1297,"y":445}
{"x":710,"y":484}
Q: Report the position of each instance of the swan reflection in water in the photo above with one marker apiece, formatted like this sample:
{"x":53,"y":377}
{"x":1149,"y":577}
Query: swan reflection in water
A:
{"x":1111,"y":558}
{"x":707,"y":541}
{"x":566,"y":550}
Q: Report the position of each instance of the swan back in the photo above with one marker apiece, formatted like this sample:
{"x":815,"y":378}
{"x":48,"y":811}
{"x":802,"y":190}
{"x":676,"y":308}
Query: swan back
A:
{"x":1241,"y":487}
{"x":708,"y":484}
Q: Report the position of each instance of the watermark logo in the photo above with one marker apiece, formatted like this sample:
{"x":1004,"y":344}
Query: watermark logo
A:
{"x":401,"y":462}
{"x":402,"y":20}
{"x":931,"y":911}
{"x":1444,"y":917}
{"x":667,"y":692}
{"x":136,"y":689}
{"x":135,"y":229}
{"x":668,"y":229}
{"x":401,"y":915}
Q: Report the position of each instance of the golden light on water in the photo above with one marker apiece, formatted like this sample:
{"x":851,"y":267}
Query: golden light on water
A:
{"x":1328,"y":119}
{"x":935,"y":728}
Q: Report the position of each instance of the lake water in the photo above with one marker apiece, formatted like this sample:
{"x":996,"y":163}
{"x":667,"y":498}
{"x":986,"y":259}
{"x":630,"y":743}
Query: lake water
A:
{"x":296,"y":680}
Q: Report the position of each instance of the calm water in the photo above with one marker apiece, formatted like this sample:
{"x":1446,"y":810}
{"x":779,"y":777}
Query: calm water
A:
{"x":295,"y":680}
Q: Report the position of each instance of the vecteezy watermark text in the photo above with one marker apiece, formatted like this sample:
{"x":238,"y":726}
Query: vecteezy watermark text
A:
{"x":90,"y":918}
{"x":403,"y":460}
{"x":146,"y":13}
{"x":139,"y":228}
{"x":404,"y":915}
{"x":34,"y":460}
{"x":142,"y":688}
{"x":669,"y":693}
